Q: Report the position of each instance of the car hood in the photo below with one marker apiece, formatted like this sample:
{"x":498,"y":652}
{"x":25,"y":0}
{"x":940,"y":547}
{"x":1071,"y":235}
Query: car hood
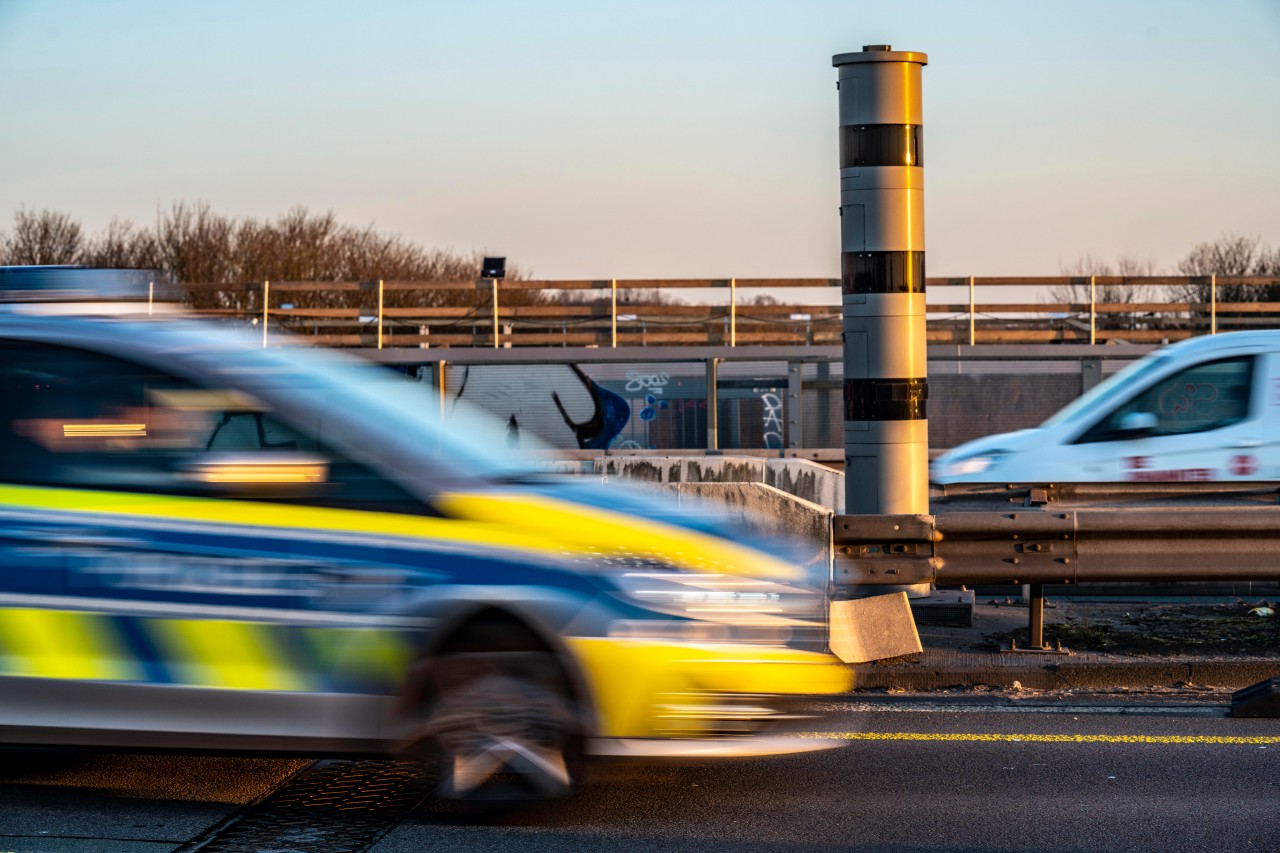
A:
{"x":589,"y":529}
{"x":1007,"y":442}
{"x":613,"y":527}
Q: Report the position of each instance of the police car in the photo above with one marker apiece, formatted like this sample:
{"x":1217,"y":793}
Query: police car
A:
{"x":1204,"y":409}
{"x":206,"y":544}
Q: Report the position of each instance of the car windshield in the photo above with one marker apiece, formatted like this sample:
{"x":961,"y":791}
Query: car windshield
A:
{"x":463,"y":440}
{"x":1126,"y":379}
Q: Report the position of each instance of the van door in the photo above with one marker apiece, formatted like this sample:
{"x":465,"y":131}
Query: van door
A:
{"x":1199,"y":424}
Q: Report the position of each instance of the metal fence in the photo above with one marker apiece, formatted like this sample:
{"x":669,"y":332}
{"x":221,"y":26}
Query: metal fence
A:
{"x":736,"y":312}
{"x":757,"y":398}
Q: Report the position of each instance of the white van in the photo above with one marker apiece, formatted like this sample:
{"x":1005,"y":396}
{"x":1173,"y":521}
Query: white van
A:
{"x":1205,"y":409}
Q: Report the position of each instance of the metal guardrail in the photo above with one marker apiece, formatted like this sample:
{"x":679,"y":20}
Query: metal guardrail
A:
{"x":1068,"y":534}
{"x":494,"y":314}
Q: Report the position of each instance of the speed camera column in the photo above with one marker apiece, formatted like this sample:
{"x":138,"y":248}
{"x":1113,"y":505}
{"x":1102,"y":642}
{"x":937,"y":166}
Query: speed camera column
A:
{"x":886,"y":437}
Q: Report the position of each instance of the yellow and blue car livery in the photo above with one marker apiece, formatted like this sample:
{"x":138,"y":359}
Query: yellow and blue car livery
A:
{"x":147,"y":602}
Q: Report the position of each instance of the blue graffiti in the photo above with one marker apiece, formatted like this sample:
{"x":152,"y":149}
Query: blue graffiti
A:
{"x":607,"y":421}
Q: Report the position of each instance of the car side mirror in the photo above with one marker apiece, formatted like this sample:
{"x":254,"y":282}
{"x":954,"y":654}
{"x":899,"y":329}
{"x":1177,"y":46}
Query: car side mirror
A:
{"x":1138,"y":423}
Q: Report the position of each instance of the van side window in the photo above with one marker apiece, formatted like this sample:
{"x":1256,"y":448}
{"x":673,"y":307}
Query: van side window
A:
{"x":81,"y":419}
{"x":1203,"y":397}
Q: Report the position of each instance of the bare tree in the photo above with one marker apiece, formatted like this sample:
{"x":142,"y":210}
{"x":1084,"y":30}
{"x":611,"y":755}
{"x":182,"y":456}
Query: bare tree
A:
{"x":194,"y":244}
{"x":1126,"y":266}
{"x":122,"y":246}
{"x":1231,"y":255}
{"x":222,"y":260}
{"x":43,"y":237}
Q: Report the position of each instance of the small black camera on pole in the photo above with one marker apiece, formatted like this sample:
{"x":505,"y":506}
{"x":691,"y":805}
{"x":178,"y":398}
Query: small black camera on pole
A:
{"x":494,"y":269}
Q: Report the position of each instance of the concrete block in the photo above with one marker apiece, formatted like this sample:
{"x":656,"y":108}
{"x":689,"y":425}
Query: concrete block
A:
{"x":796,"y":529}
{"x":808,"y":480}
{"x":723,"y":469}
{"x":867,"y":629}
{"x":1257,"y":700}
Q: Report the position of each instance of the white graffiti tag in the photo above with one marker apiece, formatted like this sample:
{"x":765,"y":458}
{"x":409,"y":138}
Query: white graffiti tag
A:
{"x":654,"y":383}
{"x":772,"y":420}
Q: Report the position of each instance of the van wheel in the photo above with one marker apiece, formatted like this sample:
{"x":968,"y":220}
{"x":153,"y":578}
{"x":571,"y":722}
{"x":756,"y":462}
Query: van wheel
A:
{"x":500,"y":726}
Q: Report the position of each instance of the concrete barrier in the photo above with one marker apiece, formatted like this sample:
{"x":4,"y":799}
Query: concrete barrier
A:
{"x":809,"y":481}
{"x":789,"y":502}
{"x":797,"y":528}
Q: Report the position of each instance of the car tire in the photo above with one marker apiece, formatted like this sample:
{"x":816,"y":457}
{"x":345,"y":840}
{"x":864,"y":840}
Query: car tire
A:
{"x":500,"y":726}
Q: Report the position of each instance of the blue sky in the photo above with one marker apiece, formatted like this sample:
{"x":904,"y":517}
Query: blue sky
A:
{"x":663,"y":139}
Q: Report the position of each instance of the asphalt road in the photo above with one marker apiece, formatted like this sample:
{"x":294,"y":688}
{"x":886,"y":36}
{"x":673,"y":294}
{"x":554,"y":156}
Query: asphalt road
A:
{"x":953,"y":774}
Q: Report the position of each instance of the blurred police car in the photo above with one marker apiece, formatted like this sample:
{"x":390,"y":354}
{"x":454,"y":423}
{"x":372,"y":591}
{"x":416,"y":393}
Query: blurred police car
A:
{"x":205,"y":544}
{"x":1205,"y":409}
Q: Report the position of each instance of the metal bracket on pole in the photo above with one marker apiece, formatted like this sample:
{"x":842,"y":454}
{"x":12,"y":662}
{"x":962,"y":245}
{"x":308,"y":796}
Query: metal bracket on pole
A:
{"x":1090,"y":373}
{"x":713,"y":408}
{"x":795,"y":404}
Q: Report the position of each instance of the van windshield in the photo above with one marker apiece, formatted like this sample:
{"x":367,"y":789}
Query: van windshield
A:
{"x":1119,"y":383}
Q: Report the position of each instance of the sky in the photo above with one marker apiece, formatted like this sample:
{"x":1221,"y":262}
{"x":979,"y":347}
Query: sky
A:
{"x":664,"y":139}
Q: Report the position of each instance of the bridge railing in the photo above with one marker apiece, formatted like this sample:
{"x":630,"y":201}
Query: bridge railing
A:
{"x":737,"y":312}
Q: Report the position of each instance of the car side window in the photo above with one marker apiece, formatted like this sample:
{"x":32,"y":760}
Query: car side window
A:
{"x":1203,"y":397}
{"x":80,"y":419}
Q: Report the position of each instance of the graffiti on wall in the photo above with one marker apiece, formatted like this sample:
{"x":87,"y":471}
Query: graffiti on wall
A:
{"x":653,"y":383}
{"x":772,"y":425}
{"x":609,"y":414}
{"x":559,"y":404}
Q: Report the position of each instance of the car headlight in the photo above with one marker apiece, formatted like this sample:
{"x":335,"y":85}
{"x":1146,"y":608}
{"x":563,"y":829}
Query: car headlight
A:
{"x":726,"y":599}
{"x":968,"y":465}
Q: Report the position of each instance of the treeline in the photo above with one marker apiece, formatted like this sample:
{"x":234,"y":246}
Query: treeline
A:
{"x":195,"y":245}
{"x":1229,"y":255}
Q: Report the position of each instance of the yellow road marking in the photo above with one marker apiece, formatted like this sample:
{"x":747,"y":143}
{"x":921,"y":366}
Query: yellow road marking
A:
{"x":1030,"y":738}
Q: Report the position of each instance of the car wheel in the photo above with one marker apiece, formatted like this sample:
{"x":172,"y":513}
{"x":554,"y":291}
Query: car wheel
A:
{"x":500,"y":726}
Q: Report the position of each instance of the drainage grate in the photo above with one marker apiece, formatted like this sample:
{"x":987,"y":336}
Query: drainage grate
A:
{"x":334,"y":806}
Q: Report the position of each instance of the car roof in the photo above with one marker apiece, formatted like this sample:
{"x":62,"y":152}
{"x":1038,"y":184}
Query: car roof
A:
{"x":1262,"y":339}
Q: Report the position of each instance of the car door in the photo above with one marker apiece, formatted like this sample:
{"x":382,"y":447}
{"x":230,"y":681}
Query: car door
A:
{"x":157,"y":579}
{"x":1199,"y":424}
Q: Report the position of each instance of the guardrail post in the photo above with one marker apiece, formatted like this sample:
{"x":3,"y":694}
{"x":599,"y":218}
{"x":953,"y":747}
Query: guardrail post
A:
{"x":613,"y":311}
{"x":151,"y":296}
{"x":795,"y":404}
{"x":1093,"y":313}
{"x":1213,"y":304}
{"x":266,"y":301}
{"x":379,"y":313}
{"x":972,"y":332}
{"x":1035,"y":626}
{"x":713,"y":405}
